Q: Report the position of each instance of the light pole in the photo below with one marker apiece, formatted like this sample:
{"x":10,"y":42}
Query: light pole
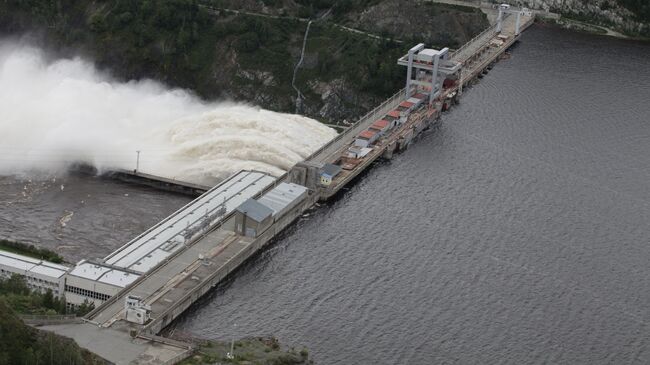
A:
{"x":231,"y":354}
{"x":137,"y":161}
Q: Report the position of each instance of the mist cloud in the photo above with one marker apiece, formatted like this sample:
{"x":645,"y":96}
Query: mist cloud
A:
{"x":56,"y":113}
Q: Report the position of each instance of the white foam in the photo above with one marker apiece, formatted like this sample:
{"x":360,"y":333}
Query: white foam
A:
{"x":55,"y":113}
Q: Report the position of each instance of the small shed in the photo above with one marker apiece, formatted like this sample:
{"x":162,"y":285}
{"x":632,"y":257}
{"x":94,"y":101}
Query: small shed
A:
{"x":358,"y":152}
{"x":396,"y":117}
{"x":366,"y":138}
{"x":406,"y":104}
{"x":381,"y":126}
{"x":328,"y":173}
{"x":253,"y":218}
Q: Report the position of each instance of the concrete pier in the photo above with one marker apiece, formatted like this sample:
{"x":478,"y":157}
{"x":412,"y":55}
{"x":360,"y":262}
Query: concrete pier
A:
{"x":158,"y":182}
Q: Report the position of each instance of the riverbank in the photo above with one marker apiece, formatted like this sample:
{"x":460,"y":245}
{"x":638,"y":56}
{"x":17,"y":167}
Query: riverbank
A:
{"x":581,"y":26}
{"x":255,"y":350}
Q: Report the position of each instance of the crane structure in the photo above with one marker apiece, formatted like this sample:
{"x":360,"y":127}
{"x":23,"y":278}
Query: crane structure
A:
{"x":505,"y":9}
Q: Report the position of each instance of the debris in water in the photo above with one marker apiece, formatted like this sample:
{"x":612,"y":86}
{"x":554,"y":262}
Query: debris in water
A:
{"x":66,"y":218}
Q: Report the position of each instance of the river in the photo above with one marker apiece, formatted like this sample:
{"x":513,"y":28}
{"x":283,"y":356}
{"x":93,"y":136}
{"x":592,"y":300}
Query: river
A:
{"x":514,"y":232}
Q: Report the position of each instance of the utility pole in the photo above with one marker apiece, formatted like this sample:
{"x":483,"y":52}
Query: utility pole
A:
{"x":137,"y":162}
{"x":231,"y":354}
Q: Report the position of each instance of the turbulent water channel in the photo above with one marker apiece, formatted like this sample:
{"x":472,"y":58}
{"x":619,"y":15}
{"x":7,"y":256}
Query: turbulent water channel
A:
{"x":515,"y":232}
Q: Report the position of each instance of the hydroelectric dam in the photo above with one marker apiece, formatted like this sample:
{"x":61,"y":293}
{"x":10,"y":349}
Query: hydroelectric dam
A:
{"x":143,"y":286}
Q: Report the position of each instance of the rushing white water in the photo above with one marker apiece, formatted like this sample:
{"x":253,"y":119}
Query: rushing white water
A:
{"x":56,"y":113}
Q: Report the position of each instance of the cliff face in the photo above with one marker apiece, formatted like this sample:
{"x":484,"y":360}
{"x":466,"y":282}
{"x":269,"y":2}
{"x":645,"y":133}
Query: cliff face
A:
{"x":630,"y":17}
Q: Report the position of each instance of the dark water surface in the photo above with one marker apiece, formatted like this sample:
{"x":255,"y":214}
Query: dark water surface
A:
{"x":79,"y":216}
{"x":517,"y":232}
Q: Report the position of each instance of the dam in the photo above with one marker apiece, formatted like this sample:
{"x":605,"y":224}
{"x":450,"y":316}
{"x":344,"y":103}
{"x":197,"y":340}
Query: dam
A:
{"x":173,"y":264}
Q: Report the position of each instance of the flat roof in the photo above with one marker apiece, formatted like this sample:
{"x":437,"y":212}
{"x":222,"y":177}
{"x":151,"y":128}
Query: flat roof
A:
{"x":381,"y":124}
{"x":255,"y":210}
{"x":406,"y":104}
{"x":282,"y":196}
{"x":168,"y":236}
{"x":29,"y":264}
{"x":394,"y":113}
{"x":103,"y":274}
{"x":367,"y":134}
{"x":414,"y":100}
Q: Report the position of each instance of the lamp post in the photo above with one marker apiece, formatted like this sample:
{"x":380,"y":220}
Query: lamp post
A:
{"x":231,"y":354}
{"x":137,"y":161}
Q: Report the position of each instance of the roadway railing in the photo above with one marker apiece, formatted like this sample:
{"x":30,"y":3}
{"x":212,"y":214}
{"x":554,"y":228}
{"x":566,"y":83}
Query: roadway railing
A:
{"x":381,"y":109}
{"x":44,"y":319}
{"x":481,"y":39}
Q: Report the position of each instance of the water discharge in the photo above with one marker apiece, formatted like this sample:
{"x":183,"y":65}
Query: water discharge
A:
{"x":53,"y":113}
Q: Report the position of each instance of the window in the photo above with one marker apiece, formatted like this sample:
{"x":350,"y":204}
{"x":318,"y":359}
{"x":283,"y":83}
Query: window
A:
{"x":87,"y":293}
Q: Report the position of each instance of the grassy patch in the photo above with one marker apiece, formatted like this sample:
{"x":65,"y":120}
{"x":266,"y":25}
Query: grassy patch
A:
{"x":257,"y":351}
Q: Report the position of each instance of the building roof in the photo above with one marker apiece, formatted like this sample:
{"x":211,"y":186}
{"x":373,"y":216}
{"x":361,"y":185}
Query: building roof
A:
{"x":406,"y":104}
{"x":255,"y":210}
{"x":394,"y":113}
{"x":420,"y":96}
{"x":32,"y":265}
{"x":103,"y":274}
{"x":282,"y":196}
{"x":331,"y":169}
{"x":414,"y":100}
{"x":380,"y":124}
{"x":168,"y":236}
{"x":367,"y":134}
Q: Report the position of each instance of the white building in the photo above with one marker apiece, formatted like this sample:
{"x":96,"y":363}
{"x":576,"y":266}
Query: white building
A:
{"x":38,"y":274}
{"x":168,"y":236}
{"x":95,"y":283}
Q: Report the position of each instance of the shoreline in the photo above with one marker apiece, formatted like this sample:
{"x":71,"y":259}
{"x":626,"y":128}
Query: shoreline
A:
{"x":589,"y":28}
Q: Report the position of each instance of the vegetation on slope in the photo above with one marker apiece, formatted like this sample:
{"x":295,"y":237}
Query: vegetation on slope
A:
{"x":15,"y":292}
{"x":219,"y":54}
{"x":20,"y":344}
{"x":640,"y":8}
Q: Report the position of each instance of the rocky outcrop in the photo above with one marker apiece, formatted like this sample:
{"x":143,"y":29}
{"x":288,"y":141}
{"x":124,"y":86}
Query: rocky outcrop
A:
{"x":607,"y":13}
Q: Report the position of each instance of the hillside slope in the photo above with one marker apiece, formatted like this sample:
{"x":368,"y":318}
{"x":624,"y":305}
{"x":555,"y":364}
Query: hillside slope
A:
{"x":220,"y":54}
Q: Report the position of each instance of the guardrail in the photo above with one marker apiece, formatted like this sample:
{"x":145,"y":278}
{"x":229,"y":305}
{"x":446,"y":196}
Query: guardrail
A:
{"x":45,"y":319}
{"x":30,"y":317}
{"x":350,"y":129}
{"x":487,"y":33}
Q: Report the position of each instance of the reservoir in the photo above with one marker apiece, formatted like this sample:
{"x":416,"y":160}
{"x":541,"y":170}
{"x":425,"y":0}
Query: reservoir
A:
{"x":516,"y":231}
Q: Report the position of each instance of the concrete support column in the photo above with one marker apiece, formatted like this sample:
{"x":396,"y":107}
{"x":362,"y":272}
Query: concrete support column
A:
{"x":434,"y":78}
{"x":517,"y":23}
{"x":500,"y":18}
{"x":409,"y":69}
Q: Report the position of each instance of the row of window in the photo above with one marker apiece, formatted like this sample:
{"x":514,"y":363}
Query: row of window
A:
{"x":87,"y":293}
{"x":29,"y":279}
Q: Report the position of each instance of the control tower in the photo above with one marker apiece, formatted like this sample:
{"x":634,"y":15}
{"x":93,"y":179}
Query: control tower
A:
{"x":427,"y":69}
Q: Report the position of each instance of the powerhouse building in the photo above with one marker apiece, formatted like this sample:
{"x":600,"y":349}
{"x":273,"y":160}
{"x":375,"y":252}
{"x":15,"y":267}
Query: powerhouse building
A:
{"x":38,"y":274}
{"x":254,"y":196}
